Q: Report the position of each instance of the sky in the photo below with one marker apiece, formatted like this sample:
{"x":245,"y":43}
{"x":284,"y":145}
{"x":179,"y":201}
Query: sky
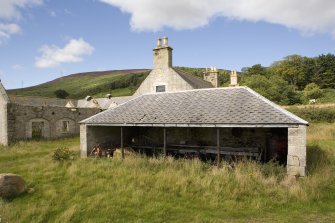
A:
{"x":41,"y":40}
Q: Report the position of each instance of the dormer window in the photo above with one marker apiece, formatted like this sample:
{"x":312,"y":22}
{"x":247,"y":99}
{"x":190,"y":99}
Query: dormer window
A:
{"x":160,"y":88}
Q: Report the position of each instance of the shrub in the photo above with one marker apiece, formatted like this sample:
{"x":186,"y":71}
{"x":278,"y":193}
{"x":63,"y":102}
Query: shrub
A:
{"x":63,"y":153}
{"x":60,"y":93}
{"x":312,"y":91}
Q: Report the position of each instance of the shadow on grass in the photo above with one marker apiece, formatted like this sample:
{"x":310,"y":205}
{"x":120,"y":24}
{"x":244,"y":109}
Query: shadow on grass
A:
{"x":316,"y":159}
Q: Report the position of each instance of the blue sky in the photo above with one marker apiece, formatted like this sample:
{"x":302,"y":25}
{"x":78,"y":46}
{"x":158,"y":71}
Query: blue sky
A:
{"x":41,"y":40}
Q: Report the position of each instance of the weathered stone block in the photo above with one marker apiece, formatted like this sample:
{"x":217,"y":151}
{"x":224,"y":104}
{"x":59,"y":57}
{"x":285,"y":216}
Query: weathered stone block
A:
{"x":11,"y":185}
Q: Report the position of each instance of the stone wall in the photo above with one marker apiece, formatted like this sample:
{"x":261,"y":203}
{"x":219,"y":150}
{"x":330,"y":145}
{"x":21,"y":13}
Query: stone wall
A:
{"x":54,"y":121}
{"x":3,"y":116}
{"x":296,"y":157}
{"x":165,"y":76}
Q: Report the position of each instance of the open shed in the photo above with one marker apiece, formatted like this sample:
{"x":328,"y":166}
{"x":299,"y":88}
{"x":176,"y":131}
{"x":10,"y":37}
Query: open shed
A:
{"x":218,"y":123}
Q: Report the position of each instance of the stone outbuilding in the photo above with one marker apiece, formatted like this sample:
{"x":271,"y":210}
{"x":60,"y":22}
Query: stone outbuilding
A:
{"x":217,"y":123}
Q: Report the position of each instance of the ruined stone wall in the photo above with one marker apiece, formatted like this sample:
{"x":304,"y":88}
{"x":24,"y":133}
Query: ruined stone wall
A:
{"x":165,"y":76}
{"x":55,"y":121}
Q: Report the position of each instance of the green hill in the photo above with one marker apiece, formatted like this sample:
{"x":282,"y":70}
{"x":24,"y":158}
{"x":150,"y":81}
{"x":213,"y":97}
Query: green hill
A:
{"x":96,"y":84}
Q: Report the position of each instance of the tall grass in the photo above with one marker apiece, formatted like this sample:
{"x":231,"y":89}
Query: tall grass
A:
{"x":144,"y":189}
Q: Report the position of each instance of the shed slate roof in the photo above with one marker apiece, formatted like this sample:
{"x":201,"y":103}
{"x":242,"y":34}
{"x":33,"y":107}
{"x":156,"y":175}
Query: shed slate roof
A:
{"x":217,"y":107}
{"x":194,"y":81}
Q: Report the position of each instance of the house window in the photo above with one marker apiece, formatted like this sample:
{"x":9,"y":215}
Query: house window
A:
{"x":160,"y":88}
{"x":66,"y":126}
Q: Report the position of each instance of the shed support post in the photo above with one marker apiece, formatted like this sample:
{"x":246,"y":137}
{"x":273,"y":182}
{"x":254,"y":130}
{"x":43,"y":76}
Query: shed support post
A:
{"x":218,"y":146}
{"x":164,"y":148}
{"x":122,"y":148}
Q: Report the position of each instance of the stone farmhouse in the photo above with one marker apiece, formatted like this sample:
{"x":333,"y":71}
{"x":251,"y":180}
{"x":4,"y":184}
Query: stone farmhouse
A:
{"x":174,"y":113}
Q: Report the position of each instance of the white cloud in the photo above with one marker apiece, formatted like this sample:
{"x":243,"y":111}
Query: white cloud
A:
{"x":73,"y":52}
{"x":6,"y":30}
{"x":9,"y":9}
{"x":308,"y":16}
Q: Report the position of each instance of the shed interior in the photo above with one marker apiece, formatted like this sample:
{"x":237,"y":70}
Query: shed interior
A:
{"x":205,"y":143}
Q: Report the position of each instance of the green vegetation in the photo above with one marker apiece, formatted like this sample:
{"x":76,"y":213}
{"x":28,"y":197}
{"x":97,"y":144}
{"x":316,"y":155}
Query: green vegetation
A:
{"x":79,"y":86}
{"x":284,"y":81}
{"x":60,"y":93}
{"x":140,"y":189}
{"x":315,"y":113}
{"x":63,"y":153}
{"x":312,"y":91}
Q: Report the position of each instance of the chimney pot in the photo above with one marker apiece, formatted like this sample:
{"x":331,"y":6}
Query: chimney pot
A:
{"x":165,"y":41}
{"x":159,"y":42}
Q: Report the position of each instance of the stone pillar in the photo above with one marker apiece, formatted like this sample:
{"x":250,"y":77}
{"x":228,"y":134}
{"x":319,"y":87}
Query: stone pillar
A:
{"x":83,"y":141}
{"x":296,"y":154}
{"x":4,"y":102}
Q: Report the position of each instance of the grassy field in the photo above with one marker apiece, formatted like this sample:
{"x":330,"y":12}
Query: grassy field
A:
{"x":122,"y":83}
{"x":140,"y":189}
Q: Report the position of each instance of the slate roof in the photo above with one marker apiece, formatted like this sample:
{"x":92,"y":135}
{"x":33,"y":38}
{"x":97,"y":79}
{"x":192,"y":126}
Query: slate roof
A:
{"x":194,"y":81}
{"x":217,"y":107}
{"x":103,"y":103}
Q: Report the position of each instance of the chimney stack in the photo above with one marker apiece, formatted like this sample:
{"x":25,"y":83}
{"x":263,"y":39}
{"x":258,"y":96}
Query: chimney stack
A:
{"x":162,"y":54}
{"x":233,"y":79}
{"x":211,"y":76}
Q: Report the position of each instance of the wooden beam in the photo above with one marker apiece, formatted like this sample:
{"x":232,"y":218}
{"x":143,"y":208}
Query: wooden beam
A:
{"x":164,"y":148}
{"x":122,"y":148}
{"x":218,"y":146}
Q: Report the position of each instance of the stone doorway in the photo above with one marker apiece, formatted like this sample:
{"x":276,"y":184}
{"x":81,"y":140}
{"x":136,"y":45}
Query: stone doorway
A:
{"x":37,"y":130}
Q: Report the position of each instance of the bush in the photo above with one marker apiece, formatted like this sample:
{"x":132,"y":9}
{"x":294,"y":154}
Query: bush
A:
{"x":60,"y":93}
{"x":63,"y":153}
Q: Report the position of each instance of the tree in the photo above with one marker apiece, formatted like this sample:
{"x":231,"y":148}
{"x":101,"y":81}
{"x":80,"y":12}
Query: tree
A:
{"x":60,"y":93}
{"x":255,"y":69}
{"x":325,"y":71}
{"x":312,"y":91}
{"x":274,"y":88}
{"x":291,"y":69}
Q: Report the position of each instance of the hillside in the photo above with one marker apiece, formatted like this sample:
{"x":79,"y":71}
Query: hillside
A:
{"x":96,"y":84}
{"x":125,"y":82}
